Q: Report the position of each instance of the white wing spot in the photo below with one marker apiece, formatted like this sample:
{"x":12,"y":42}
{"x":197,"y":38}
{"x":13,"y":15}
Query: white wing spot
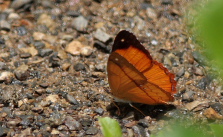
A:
{"x":116,"y":59}
{"x":122,"y":40}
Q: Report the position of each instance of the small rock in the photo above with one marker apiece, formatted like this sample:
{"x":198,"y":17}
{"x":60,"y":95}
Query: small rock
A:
{"x":86,"y":51}
{"x":21,"y":72}
{"x":45,"y":52}
{"x":80,"y":23}
{"x":144,"y":123}
{"x":98,"y":75}
{"x":198,"y":71}
{"x":21,"y":31}
{"x":55,"y":132}
{"x":74,"y":47}
{"x":151,"y":13}
{"x":100,"y":111}
{"x":180,"y":72}
{"x":3,"y":131}
{"x":92,"y":131}
{"x":13,"y":16}
{"x":139,"y":23}
{"x":72,"y":124}
{"x":37,"y":109}
{"x":73,"y":13}
{"x":2,"y":66}
{"x":44,"y":85}
{"x":71,"y":99}
{"x":167,"y":2}
{"x":66,"y":66}
{"x":39,"y":44}
{"x":38,"y":36}
{"x":188,"y":96}
{"x":139,"y":131}
{"x":6,"y":77}
{"x":68,"y":37}
{"x":102,"y":36}
{"x":46,"y":20}
{"x":17,"y":4}
{"x":102,"y":46}
{"x":4,"y":25}
{"x":100,"y":68}
{"x":52,"y":98}
{"x":199,"y":58}
{"x":25,"y":55}
{"x":30,"y":50}
{"x":79,"y":67}
{"x":13,"y":123}
{"x":217,"y":107}
{"x":204,"y":82}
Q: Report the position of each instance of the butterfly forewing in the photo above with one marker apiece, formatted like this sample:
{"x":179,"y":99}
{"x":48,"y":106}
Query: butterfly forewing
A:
{"x":134,"y":76}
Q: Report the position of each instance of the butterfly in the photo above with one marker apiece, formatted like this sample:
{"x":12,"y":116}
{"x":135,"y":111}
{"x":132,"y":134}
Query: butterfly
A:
{"x":134,"y":76}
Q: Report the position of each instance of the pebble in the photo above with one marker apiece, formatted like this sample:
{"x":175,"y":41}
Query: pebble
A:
{"x":45,"y":52}
{"x":21,"y":72}
{"x":167,"y":2}
{"x":198,"y":71}
{"x":25,"y":55}
{"x":203,"y":83}
{"x":73,"y":13}
{"x":38,"y":36}
{"x":188,"y":96}
{"x":37,"y":109}
{"x":13,"y":123}
{"x":144,"y":123}
{"x":72,"y":124}
{"x":92,"y":131}
{"x":45,"y":19}
{"x":102,"y":36}
{"x":71,"y":99}
{"x":13,"y":16}
{"x":199,"y":58}
{"x":139,"y":131}
{"x":80,"y":23}
{"x":17,"y":4}
{"x":101,"y":46}
{"x":3,"y":66}
{"x":52,"y":98}
{"x":139,"y":23}
{"x":30,"y":50}
{"x":150,"y":12}
{"x":66,"y":66}
{"x":217,"y":107}
{"x":3,"y":131}
{"x":74,"y":47}
{"x":180,"y":72}
{"x":6,"y":76}
{"x":4,"y":25}
{"x":39,"y":45}
{"x":99,"y":110}
{"x":79,"y":67}
{"x":86,"y":51}
{"x":21,"y":31}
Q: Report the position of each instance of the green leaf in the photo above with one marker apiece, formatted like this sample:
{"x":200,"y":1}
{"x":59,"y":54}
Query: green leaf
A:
{"x":217,"y":130}
{"x":110,"y":127}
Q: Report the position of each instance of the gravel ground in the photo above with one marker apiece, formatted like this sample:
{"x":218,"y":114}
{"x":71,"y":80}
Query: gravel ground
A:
{"x":53,"y":56}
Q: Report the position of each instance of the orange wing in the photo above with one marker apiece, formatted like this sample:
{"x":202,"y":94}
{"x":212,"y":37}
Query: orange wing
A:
{"x":134,"y":76}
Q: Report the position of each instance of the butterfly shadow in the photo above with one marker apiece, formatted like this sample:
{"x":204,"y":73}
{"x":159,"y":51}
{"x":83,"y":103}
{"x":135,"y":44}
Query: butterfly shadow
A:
{"x":138,"y":111}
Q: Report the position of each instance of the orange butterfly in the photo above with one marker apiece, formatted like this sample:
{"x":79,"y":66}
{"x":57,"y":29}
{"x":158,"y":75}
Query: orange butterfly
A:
{"x":134,"y":76}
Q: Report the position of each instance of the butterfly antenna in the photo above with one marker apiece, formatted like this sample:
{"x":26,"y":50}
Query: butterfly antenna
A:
{"x":137,"y":109}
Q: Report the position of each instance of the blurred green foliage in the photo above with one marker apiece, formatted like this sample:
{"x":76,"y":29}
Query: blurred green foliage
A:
{"x":110,"y":127}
